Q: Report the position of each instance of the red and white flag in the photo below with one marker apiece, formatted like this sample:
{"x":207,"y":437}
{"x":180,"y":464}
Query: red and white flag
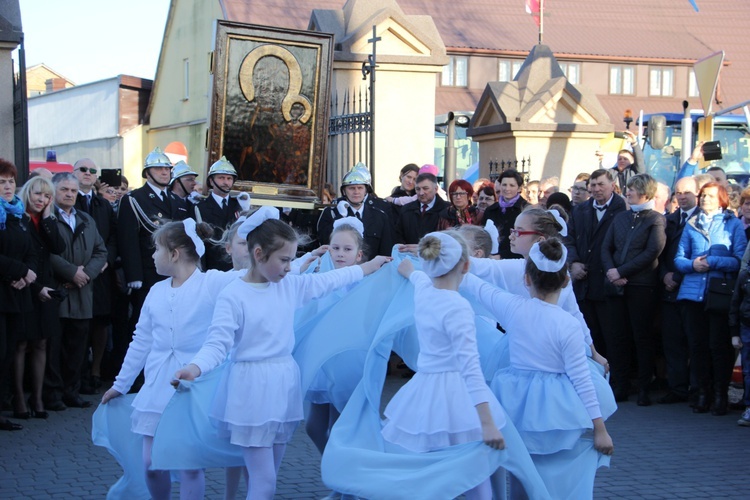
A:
{"x":533,"y":8}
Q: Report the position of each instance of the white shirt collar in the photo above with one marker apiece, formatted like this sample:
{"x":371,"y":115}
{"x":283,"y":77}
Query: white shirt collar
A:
{"x":156,"y":190}
{"x":218,"y":198}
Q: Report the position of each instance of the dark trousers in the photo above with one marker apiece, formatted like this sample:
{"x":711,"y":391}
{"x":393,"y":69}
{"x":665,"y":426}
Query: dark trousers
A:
{"x":711,"y":351}
{"x":745,"y":337}
{"x":595,"y":313}
{"x":121,"y":335}
{"x":73,"y":343}
{"x":630,"y":323}
{"x":676,"y":352}
{"x":10,"y":325}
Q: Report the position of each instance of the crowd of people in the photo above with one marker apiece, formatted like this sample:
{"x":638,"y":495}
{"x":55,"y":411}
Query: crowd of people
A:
{"x":621,"y":277}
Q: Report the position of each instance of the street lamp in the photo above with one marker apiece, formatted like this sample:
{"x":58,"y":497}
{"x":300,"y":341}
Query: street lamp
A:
{"x":450,"y":144}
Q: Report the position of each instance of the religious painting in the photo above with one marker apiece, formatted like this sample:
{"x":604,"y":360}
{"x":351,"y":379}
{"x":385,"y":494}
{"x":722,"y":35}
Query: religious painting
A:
{"x":269,"y":110}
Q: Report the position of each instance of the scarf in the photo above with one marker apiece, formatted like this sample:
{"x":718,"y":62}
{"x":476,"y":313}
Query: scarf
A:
{"x":704,"y":220}
{"x":14,"y":208}
{"x":507,"y":204}
{"x":649,"y":205}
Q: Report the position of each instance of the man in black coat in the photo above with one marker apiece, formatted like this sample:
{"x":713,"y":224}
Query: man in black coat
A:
{"x":220,"y":210}
{"x":358,"y":201}
{"x":674,"y":336}
{"x":422,"y":215}
{"x":101,"y":211}
{"x":588,"y":225}
{"x":141,"y":213}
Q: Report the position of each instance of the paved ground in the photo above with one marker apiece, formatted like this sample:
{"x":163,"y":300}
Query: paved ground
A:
{"x":661,"y":452}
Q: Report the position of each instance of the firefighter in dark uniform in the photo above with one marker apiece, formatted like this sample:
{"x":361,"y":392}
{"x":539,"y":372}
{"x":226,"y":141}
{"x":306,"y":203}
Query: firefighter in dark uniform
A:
{"x":141,"y":212}
{"x":220,"y":210}
{"x":358,"y":200}
{"x":183,"y":183}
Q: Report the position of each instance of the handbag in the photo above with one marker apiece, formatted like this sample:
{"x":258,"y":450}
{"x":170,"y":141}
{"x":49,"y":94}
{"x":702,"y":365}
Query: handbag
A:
{"x":719,"y":294}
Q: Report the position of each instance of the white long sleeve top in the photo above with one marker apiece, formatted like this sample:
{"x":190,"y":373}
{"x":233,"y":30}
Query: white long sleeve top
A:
{"x":541,"y":337}
{"x":508,"y":274}
{"x":171,"y":330}
{"x":447,"y":335}
{"x":257,"y":322}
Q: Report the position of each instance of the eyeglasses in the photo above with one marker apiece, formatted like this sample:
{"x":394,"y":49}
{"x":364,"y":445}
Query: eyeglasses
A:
{"x":87,"y":169}
{"x":517,"y":233}
{"x":576,"y":189}
{"x":458,"y":194}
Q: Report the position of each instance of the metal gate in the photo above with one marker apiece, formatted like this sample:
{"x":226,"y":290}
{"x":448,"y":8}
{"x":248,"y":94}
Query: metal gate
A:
{"x":349,"y":132}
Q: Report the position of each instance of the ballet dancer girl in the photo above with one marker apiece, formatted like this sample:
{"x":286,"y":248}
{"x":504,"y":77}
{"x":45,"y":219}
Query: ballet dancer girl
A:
{"x":547,"y":390}
{"x":171,"y":329}
{"x":260,"y":401}
{"x":447,"y":402}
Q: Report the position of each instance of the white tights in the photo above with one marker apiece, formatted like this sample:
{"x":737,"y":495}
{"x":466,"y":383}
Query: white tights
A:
{"x":262,"y":467}
{"x":159,"y":482}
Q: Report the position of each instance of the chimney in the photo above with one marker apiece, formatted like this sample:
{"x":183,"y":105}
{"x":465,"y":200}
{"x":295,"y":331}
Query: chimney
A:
{"x":53,"y":84}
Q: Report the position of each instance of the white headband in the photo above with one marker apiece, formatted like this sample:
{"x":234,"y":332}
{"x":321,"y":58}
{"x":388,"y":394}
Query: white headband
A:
{"x":450,"y":254}
{"x":560,"y":220}
{"x":350,"y":221}
{"x":491,"y":229}
{"x":189,"y":225}
{"x":256,"y":219}
{"x":545,"y":264}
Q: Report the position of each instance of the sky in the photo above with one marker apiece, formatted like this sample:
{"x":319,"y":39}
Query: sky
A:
{"x":90,"y":40}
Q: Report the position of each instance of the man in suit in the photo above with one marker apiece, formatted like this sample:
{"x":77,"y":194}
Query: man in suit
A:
{"x":589,"y":223}
{"x":141,"y":212}
{"x":674,"y":336}
{"x":422,"y":215}
{"x":101,"y":211}
{"x":84,"y":258}
{"x":220,"y":210}
{"x":358,"y":201}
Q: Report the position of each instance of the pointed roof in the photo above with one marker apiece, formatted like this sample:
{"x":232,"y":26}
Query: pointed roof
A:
{"x":539,"y":98}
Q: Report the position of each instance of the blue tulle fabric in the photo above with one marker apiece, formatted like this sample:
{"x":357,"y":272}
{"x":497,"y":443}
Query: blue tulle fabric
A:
{"x":111,"y":429}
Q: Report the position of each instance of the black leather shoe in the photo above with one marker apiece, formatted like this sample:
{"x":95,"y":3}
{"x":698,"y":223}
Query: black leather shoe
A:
{"x":76,"y":402}
{"x":702,"y":404}
{"x":21,"y":415}
{"x":88,"y":390}
{"x":56,"y":406}
{"x":10,"y":426}
{"x":671,"y":398}
{"x":643,"y":399}
{"x":720,"y":404}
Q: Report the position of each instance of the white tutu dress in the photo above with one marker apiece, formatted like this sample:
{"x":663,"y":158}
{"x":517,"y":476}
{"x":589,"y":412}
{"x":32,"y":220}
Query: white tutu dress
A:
{"x":437,"y":407}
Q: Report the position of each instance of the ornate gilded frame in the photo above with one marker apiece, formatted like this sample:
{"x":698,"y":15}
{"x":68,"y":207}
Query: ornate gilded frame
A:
{"x":269,"y":110}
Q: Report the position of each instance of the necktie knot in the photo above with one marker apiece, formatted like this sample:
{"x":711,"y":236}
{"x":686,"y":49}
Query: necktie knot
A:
{"x":683,"y":218}
{"x":356,"y":214}
{"x":424,"y":207}
{"x":601,"y":208}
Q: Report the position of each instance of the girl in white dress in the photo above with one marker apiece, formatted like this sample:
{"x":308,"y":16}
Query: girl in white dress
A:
{"x":170,"y":331}
{"x":260,"y":400}
{"x":447,"y":402}
{"x":548,"y":370}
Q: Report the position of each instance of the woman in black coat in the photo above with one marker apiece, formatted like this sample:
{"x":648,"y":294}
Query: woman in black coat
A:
{"x":38,"y":196}
{"x":509,"y":205}
{"x":630,"y":257}
{"x":17,"y":259}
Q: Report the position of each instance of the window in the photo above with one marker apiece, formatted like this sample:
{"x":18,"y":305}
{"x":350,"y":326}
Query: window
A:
{"x":507,"y":70}
{"x":692,"y":85}
{"x":186,"y":79}
{"x":622,"y":80}
{"x":455,"y":73}
{"x":572,"y":72}
{"x":660,"y":81}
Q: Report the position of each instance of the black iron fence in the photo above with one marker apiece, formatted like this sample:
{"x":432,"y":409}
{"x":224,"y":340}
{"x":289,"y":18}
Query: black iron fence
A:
{"x":498,"y":167}
{"x":349,"y":132}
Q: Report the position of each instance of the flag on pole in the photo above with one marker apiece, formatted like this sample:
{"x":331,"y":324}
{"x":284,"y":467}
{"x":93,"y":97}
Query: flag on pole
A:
{"x":692,"y":2}
{"x":532,"y":7}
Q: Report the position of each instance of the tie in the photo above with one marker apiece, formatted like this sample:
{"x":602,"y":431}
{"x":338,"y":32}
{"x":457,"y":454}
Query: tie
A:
{"x":601,"y":208}
{"x":88,"y":202}
{"x":163,"y":196}
{"x":424,"y":208}
{"x":683,"y":218}
{"x":356,"y":214}
{"x":224,"y":204}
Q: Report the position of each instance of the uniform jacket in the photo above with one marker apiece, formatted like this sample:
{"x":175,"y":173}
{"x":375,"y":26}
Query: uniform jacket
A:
{"x":83,"y":247}
{"x":134,"y":229}
{"x":722,"y":240}
{"x":584,"y":243}
{"x":378,"y":235}
{"x":212,"y":213}
{"x":640,"y":262}
{"x":412,"y":225}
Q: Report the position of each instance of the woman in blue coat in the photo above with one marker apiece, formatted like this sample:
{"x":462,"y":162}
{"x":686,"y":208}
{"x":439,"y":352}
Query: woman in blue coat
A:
{"x":712,"y":245}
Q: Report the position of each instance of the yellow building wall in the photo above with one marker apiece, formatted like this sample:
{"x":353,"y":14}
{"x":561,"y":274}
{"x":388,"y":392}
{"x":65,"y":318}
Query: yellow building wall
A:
{"x":134,"y":151}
